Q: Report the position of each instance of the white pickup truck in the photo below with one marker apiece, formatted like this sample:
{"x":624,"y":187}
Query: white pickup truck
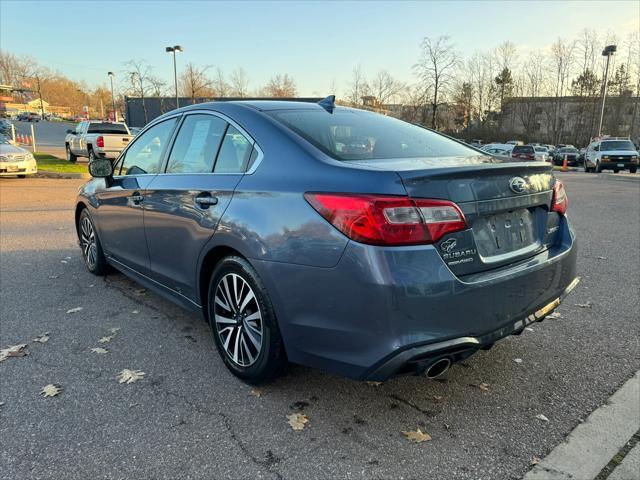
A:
{"x":97,"y":139}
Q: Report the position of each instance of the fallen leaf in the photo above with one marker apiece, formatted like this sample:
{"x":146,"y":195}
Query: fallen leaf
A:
{"x":140,"y":291}
{"x":51,"y":390}
{"x":584,"y":305}
{"x":534,"y":461}
{"x":63,"y":261}
{"x":601,"y":258}
{"x":1,"y":404}
{"x":13,"y":351}
{"x":529,"y":329}
{"x":129,"y":376}
{"x":255,"y":393}
{"x":374,"y":384}
{"x":67,"y":258}
{"x":91,"y":286}
{"x":99,"y":350}
{"x":542,"y":417}
{"x":135,"y":311}
{"x":43,"y":338}
{"x":438,"y":398}
{"x":53,"y":277}
{"x":297,"y":421}
{"x":114,"y":329}
{"x":106,"y":339}
{"x":517,"y":360}
{"x":417,"y":436}
{"x":484,"y":387}
{"x":554,"y":315}
{"x":74,"y":310}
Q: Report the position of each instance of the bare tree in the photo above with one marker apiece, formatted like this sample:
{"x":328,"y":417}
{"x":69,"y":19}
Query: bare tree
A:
{"x":281,"y":85}
{"x":384,"y":87}
{"x":561,"y":60}
{"x":480,"y":71}
{"x":239,"y":83}
{"x":220,"y":85}
{"x":436,"y":67}
{"x":139,"y":73}
{"x":359,"y":86}
{"x":194,"y":82}
{"x":416,"y":100}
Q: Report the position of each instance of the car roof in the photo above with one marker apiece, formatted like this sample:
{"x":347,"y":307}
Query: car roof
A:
{"x":262,"y":105}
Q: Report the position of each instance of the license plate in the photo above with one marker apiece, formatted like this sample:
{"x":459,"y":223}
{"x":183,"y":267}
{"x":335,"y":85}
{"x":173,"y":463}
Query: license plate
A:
{"x":12,"y":168}
{"x":621,"y":164}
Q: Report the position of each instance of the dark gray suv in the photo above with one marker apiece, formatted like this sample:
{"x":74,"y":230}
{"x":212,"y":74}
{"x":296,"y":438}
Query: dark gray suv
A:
{"x":330,"y":237}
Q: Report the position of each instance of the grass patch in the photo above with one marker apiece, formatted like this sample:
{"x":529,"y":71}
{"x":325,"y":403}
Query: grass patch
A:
{"x":54,"y":164}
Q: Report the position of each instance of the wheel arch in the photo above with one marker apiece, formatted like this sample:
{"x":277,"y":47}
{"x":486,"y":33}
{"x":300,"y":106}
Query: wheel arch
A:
{"x":207,"y":265}
{"x":79,"y":207}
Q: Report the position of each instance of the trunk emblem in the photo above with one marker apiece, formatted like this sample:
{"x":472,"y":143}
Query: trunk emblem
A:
{"x":448,"y":245}
{"x":518,"y":185}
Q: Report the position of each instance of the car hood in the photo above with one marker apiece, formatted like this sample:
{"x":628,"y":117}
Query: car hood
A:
{"x":619,"y":152}
{"x":11,"y":149}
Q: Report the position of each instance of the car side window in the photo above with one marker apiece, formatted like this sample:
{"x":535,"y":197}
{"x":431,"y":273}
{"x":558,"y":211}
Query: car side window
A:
{"x":79,"y":127}
{"x":145,"y":153}
{"x":234,"y":154}
{"x":197,"y":144}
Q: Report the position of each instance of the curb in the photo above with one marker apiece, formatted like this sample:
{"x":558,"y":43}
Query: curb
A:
{"x":61,"y":175}
{"x":592,"y":444}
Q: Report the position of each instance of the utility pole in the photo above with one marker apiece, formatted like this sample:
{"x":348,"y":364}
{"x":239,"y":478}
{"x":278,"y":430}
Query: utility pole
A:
{"x":174,"y":49}
{"x":608,"y":51}
{"x":113,"y":100}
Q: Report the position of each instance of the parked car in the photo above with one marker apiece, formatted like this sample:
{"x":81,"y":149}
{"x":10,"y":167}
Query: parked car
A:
{"x":524,"y":152}
{"x":93,"y":139}
{"x":15,"y":160}
{"x":498,"y":149}
{"x":369,"y":263}
{"x":515,"y":142}
{"x":570,"y":152}
{"x":542,"y":154}
{"x":612,"y":153}
{"x":135,"y":130}
{"x":5,"y":127}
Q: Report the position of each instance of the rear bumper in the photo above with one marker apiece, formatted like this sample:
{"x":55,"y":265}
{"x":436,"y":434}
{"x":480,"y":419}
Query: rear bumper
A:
{"x":381,"y":308}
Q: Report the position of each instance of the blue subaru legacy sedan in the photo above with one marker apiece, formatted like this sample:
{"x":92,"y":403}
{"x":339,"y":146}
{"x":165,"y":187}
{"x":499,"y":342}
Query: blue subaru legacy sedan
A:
{"x":330,"y":237}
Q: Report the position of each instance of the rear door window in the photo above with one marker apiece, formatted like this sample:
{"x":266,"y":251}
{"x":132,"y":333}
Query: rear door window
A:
{"x":197,"y":144}
{"x":235,"y":152}
{"x":107,"y":128}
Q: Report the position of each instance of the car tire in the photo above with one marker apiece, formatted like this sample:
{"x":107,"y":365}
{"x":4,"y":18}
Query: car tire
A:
{"x":245,"y":331}
{"x":92,"y":155}
{"x":22,"y":176}
{"x":598,"y":168}
{"x":633,"y":169}
{"x":92,"y":253}
{"x":70,"y":156}
{"x":615,"y":170}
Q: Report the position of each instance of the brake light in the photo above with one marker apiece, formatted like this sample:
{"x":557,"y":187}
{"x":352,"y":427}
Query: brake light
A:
{"x":531,"y":157}
{"x":560,"y":201}
{"x":388,"y":220}
{"x":100,"y":142}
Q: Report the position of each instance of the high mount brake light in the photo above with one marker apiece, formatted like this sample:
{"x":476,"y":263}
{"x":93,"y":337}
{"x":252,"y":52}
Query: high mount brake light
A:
{"x":388,"y":220}
{"x":560,"y":201}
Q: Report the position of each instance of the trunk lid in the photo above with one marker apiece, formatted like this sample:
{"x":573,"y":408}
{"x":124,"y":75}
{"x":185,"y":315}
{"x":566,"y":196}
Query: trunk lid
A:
{"x":506,"y":206}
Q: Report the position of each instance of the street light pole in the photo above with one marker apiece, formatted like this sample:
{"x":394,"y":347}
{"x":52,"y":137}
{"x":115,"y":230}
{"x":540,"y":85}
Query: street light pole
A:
{"x":607,"y":52}
{"x":174,"y":49}
{"x":113,"y":100}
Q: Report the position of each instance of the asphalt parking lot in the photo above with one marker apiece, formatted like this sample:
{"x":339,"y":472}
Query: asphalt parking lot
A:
{"x":189,"y":418}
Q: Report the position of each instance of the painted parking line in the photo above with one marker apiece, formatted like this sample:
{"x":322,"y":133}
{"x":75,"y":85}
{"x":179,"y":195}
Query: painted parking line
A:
{"x":588,"y":449}
{"x":629,"y":468}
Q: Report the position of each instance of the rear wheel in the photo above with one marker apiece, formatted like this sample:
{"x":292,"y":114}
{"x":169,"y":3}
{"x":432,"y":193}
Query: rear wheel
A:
{"x":90,"y":243}
{"x":92,"y":155}
{"x":70,"y":156}
{"x":633,"y":169}
{"x":243,"y":322}
{"x":615,"y":170}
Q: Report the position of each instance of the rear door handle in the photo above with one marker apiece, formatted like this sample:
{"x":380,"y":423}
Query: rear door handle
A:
{"x":205,"y":200}
{"x":137,"y":198}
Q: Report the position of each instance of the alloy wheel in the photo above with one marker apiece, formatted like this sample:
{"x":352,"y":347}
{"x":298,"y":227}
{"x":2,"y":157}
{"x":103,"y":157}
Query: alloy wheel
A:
{"x":238,"y":320}
{"x":88,"y":242}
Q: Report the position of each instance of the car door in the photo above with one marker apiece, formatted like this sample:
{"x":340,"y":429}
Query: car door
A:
{"x":120,"y":203}
{"x":75,"y":140}
{"x":184,"y":204}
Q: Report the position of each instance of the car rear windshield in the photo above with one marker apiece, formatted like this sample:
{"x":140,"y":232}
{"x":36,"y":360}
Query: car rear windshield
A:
{"x":522,"y":149}
{"x":616,"y":145}
{"x":541,"y":149}
{"x":107,"y":128}
{"x":359,"y":135}
{"x":568,"y":150}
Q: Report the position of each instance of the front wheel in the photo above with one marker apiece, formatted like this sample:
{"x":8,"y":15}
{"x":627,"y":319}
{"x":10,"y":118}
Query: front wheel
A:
{"x":70,"y":156}
{"x":90,"y":244}
{"x":243,"y":322}
{"x":598,"y":167}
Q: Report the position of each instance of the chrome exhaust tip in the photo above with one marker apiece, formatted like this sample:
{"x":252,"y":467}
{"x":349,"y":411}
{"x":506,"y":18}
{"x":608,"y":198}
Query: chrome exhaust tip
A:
{"x":438,"y":367}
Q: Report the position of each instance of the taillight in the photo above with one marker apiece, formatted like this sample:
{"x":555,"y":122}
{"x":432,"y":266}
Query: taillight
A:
{"x":388,"y":220}
{"x":560,"y":201}
{"x":514,"y":155}
{"x":100,"y":142}
{"x":531,"y":157}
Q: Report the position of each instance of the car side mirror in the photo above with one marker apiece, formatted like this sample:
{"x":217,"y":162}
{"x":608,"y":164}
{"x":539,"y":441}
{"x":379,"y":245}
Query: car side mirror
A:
{"x":70,"y":131}
{"x":101,"y":168}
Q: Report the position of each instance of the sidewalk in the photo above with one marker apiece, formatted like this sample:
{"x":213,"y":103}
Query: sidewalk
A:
{"x":605,"y":446}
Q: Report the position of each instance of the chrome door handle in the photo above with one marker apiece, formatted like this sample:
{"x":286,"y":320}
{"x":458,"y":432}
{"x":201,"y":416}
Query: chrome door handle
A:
{"x":137,"y":198}
{"x":206,"y":201}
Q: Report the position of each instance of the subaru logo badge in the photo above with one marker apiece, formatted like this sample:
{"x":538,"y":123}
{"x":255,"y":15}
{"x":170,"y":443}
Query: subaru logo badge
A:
{"x":448,"y":245}
{"x":518,"y":185}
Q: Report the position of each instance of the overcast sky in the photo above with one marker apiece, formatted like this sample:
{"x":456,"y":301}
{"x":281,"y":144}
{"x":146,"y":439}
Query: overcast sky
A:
{"x":315,"y":42}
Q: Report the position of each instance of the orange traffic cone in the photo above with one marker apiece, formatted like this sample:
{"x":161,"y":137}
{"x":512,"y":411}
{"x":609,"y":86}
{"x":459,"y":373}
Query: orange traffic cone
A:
{"x":565,"y":167}
{"x":20,"y":138}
